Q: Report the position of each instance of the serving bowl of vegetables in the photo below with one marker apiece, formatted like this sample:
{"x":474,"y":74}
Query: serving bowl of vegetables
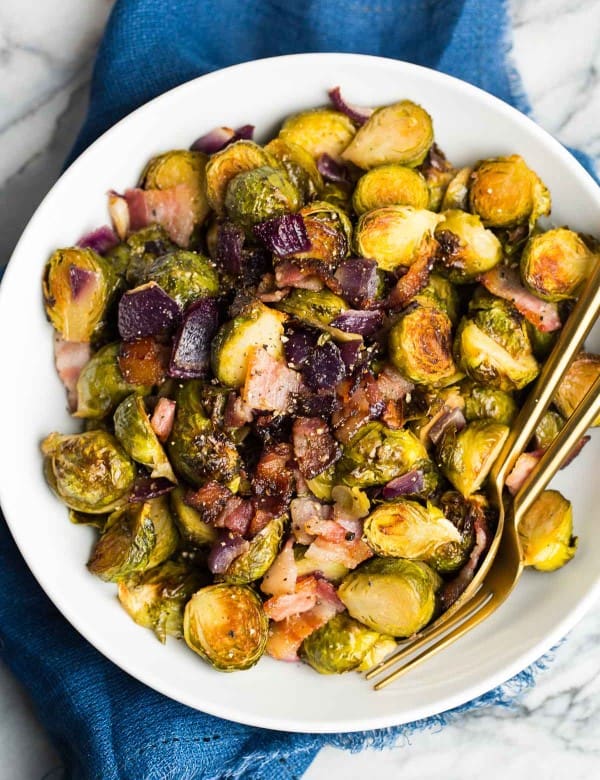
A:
{"x":290,"y":362}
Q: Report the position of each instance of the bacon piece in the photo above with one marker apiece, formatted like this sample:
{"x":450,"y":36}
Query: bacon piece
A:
{"x":392,"y":385}
{"x":235,"y":515}
{"x":523,"y":467}
{"x":70,"y":357}
{"x":144,"y":362}
{"x":288,"y":274}
{"x":314,"y":446}
{"x":417,"y":276}
{"x":269,"y":382}
{"x":307,"y":512}
{"x":359,"y":404}
{"x":282,"y":574}
{"x":209,"y":500}
{"x":273,"y":481}
{"x":302,"y":599}
{"x":163,"y":417}
{"x":173,"y":208}
{"x":505,"y":283}
{"x":348,"y":552}
{"x":260,"y":519}
{"x":237,"y":413}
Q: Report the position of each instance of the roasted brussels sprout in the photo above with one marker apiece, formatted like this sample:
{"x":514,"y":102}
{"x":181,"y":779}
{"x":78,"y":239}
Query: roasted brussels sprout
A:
{"x":185,"y":276}
{"x":227,"y":626}
{"x":438,"y":173}
{"x":329,"y":231}
{"x":488,"y":403}
{"x":467,"y":456}
{"x":78,"y":287}
{"x":193,"y":529}
{"x":338,"y":646}
{"x":440,"y":293}
{"x":467,"y":249}
{"x":580,"y":376}
{"x":377,"y":653}
{"x":316,"y":308}
{"x":462,"y":513}
{"x":546,"y":532}
{"x":225,"y":165}
{"x":391,"y":595}
{"x":260,"y":194}
{"x":420,"y":345}
{"x":156,"y":598}
{"x":319,"y":131}
{"x":492,"y":345}
{"x":252,"y":564}
{"x":548,"y":429}
{"x":542,"y":342}
{"x":89,"y":472}
{"x":392,"y":235}
{"x":401,"y":133}
{"x":390,"y":185}
{"x":299,"y":166}
{"x":321,"y":485}
{"x":457,"y":191}
{"x":377,"y":454}
{"x":143,"y":247}
{"x":405,"y":529}
{"x":136,"y":538}
{"x":133,"y":430}
{"x":505,"y":192}
{"x":101,"y":386}
{"x":176,"y":168}
{"x":555,"y":264}
{"x":256,"y":325}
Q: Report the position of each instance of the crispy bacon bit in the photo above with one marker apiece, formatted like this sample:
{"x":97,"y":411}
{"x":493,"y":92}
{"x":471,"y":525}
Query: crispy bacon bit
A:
{"x":302,"y":599}
{"x":269,"y":382}
{"x":314,"y":446}
{"x":523,"y":467}
{"x":349,"y":552}
{"x":163,"y":417}
{"x":70,"y":357}
{"x":505,"y":283}
{"x":209,"y":500}
{"x":307,"y":511}
{"x":417,"y":276}
{"x":288,"y":274}
{"x":283,"y":572}
{"x":237,"y":414}
{"x":173,"y":208}
{"x":273,"y":481}
{"x":235,"y":515}
{"x":144,"y":362}
{"x":260,"y":520}
{"x":358,"y":405}
{"x":392,"y":385}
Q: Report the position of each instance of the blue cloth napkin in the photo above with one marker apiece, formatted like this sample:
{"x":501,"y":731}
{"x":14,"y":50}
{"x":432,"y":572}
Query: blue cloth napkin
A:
{"x":106,"y":725}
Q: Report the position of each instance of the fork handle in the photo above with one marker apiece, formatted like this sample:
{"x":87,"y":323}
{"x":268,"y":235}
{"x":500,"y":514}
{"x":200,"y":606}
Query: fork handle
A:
{"x":551,"y":461}
{"x":570,"y":340}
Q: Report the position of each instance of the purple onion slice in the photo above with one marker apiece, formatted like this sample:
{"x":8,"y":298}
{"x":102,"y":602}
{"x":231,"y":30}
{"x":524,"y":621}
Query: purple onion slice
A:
{"x":411,"y":482}
{"x":284,"y":235}
{"x":324,"y":367}
{"x":220,"y":137}
{"x":451,"y":418}
{"x":147,"y":311}
{"x":299,"y":345}
{"x":350,"y":352}
{"x":146,"y":488}
{"x":100,"y":240}
{"x":190,"y":357}
{"x":230,"y":245}
{"x":365,"y":323}
{"x":245,"y":133}
{"x":358,"y":114}
{"x":332,"y":170}
{"x":358,"y":280}
{"x":81,"y":280}
{"x":225,"y":550}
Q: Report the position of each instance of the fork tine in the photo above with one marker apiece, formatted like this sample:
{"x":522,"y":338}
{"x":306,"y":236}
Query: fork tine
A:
{"x":474,"y":603}
{"x":489,"y":606}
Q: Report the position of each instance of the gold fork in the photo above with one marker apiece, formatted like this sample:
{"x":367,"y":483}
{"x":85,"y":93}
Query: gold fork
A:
{"x":568,"y":344}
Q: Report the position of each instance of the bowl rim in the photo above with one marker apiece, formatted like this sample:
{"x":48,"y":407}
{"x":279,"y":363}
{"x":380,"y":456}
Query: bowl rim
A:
{"x":466,"y":694}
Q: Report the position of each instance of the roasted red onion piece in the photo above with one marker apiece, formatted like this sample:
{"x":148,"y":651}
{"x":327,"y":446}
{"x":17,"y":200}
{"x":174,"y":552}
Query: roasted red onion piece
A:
{"x":314,"y":447}
{"x":358,"y":280}
{"x":100,"y":240}
{"x":191,"y":349}
{"x":299,"y":345}
{"x":81,"y":280}
{"x":146,"y":488}
{"x":332,"y":170}
{"x":324,"y":367}
{"x":450,"y":418}
{"x":147,"y":311}
{"x":350,"y":352}
{"x":220,"y":137}
{"x":225,"y":550}
{"x":230,"y":243}
{"x":365,"y":323}
{"x":163,"y":418}
{"x":284,"y":235}
{"x":411,"y":482}
{"x":358,"y":114}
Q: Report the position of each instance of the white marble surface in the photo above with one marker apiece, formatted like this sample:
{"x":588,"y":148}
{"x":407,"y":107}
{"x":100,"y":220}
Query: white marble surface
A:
{"x":46,"y":49}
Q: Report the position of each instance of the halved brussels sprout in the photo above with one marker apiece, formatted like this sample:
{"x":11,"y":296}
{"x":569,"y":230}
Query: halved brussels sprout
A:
{"x":338,"y":194}
{"x":580,"y":376}
{"x":466,"y":457}
{"x":321,"y":485}
{"x":505,"y":192}
{"x":156,"y":598}
{"x":316,"y":308}
{"x":319,"y":131}
{"x":350,"y":501}
{"x":78,"y":288}
{"x":461,"y":512}
{"x":434,"y":405}
{"x":392,"y":235}
{"x":377,"y":653}
{"x":546,"y":532}
{"x":390,"y":185}
{"x":492,"y":346}
{"x":256,"y":325}
{"x":420,"y":345}
{"x":488,"y":403}
{"x":440,"y":293}
{"x":391,"y":595}
{"x":438,"y":173}
{"x":133,"y":430}
{"x":184,"y":275}
{"x":227,"y":626}
{"x":84,"y":518}
{"x":542,"y":342}
{"x":405,"y":529}
{"x":223,"y":166}
{"x":193,"y":529}
{"x":457,"y":191}
{"x":180,"y":167}
{"x":89,"y":472}
{"x":548,"y":429}
{"x":252,"y":564}
{"x":467,"y":248}
{"x":101,"y":386}
{"x":144,"y":246}
{"x":377,"y":454}
{"x":260,"y":194}
{"x":329,"y":231}
{"x":401,"y":133}
{"x":555,"y":264}
{"x":339,"y":646}
{"x":299,"y":166}
{"x":136,"y":538}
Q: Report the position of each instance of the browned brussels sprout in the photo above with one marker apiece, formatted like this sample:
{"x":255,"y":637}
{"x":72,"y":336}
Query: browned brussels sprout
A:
{"x":555,"y":264}
{"x":488,"y":403}
{"x":462,"y":513}
{"x":260,"y":194}
{"x":143,"y":247}
{"x":390,"y":185}
{"x":316,"y":308}
{"x":467,"y":456}
{"x":420,"y":345}
{"x":401,"y":133}
{"x":225,"y":165}
{"x":319,"y":131}
{"x":254,"y":562}
{"x":548,"y":429}
{"x":546,"y":532}
{"x":78,"y":288}
{"x":580,"y":376}
{"x":133,"y":430}
{"x":467,"y":249}
{"x":377,"y":653}
{"x":339,"y":646}
{"x":299,"y":166}
{"x":440,"y":293}
{"x":391,"y":595}
{"x":227,"y":626}
{"x":438,"y":173}
{"x":156,"y":598}
{"x":193,"y":529}
{"x":176,"y":168}
{"x":329,"y":231}
{"x":457,"y":191}
{"x":505,"y":192}
{"x":89,"y":472}
{"x":185,"y":276}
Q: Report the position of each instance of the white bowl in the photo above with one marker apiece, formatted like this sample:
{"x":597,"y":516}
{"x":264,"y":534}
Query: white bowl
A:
{"x":469,"y":124}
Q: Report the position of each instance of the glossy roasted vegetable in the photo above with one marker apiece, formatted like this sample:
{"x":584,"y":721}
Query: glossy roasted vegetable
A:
{"x":136,"y":538}
{"x":440,"y":293}
{"x":225,"y":165}
{"x":390,"y":185}
{"x":227,"y":626}
{"x":299,"y":166}
{"x":488,"y":403}
{"x":78,"y":289}
{"x":400,"y":133}
{"x":185,"y":276}
{"x":260,"y":194}
{"x":579,"y":378}
{"x":319,"y":131}
{"x":555,"y":264}
{"x":467,"y":456}
{"x":134,"y":431}
{"x":89,"y":472}
{"x":252,"y":564}
{"x":156,"y":598}
{"x":193,"y":529}
{"x":462,"y":513}
{"x":467,"y":249}
{"x":329,"y":231}
{"x":316,"y":308}
{"x":142,"y":248}
{"x":457,"y":191}
{"x":391,"y":595}
{"x":420,"y":345}
{"x":546,"y":532}
{"x":176,"y":168}
{"x":548,"y":429}
{"x":338,"y":646}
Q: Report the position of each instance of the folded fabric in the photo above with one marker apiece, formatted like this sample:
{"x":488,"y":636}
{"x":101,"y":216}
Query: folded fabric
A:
{"x":106,"y":725}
